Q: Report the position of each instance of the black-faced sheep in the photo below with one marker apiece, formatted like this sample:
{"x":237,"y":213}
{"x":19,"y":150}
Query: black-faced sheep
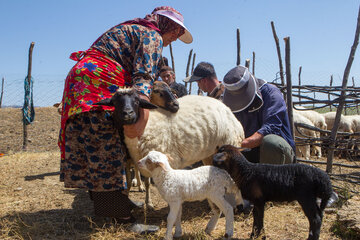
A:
{"x":127,"y":100}
{"x":260,"y":183}
{"x":177,"y":186}
{"x":190,"y":135}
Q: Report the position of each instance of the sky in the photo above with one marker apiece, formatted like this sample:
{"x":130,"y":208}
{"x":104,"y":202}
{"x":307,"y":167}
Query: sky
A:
{"x":321,"y":35}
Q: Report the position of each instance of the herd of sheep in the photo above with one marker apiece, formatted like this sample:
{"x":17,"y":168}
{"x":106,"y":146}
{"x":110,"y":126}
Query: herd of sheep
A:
{"x":325,"y":121}
{"x":181,"y":132}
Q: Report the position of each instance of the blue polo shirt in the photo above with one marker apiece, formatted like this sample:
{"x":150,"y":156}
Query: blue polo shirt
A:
{"x":270,"y":118}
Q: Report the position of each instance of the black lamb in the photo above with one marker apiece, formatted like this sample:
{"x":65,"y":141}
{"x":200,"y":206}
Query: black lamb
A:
{"x":260,"y":183}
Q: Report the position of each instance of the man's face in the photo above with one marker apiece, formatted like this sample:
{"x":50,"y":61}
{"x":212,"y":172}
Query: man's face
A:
{"x":202,"y":84}
{"x":168,"y":77}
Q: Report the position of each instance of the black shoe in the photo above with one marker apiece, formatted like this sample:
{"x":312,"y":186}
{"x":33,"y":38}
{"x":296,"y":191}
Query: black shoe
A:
{"x":143,"y":229}
{"x":244,"y":208}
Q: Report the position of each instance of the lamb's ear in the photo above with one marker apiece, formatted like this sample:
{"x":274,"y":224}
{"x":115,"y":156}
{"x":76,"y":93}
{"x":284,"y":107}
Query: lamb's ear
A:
{"x":105,"y":102}
{"x":161,"y":165}
{"x":170,"y":159}
{"x":146,"y":104}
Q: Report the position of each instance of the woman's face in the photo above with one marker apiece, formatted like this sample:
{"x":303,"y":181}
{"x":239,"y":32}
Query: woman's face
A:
{"x":171,"y":36}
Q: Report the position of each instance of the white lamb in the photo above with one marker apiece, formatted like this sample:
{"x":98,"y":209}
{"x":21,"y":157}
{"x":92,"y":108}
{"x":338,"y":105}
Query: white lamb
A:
{"x":177,"y":186}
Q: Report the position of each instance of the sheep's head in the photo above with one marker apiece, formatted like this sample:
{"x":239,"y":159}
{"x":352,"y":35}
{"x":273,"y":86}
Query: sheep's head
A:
{"x":154,"y":160}
{"x":225,"y":155}
{"x":126,"y":102}
{"x":163,"y":97}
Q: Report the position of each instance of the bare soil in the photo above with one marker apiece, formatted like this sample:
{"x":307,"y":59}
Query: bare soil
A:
{"x":35,"y":205}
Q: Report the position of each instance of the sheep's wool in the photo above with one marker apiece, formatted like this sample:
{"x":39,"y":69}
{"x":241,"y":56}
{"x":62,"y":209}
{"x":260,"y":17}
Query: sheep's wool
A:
{"x":190,"y":135}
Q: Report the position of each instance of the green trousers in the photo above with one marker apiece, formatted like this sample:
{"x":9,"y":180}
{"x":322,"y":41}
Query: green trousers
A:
{"x":273,"y":149}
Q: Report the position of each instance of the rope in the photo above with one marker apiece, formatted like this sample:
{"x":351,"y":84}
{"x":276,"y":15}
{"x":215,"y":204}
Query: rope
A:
{"x":28,"y":108}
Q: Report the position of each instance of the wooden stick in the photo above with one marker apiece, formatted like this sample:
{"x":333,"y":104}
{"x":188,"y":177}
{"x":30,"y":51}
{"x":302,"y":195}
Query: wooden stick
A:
{"x":29,"y":79}
{"x":357,"y":105}
{"x":253,"y":66}
{"x":324,"y":163}
{"x":331,"y":82}
{"x":278,"y":53}
{"x":172,"y":58}
{"x":289,"y":84}
{"x":238,"y":46}
{"x":2,"y":91}
{"x":330,"y":155}
{"x":187,"y":67}
{"x":299,"y":75}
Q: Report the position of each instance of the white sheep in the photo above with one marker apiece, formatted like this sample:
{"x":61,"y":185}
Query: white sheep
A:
{"x":345,"y":124}
{"x":318,"y":120}
{"x":303,"y":150}
{"x":190,"y":135}
{"x":177,"y":186}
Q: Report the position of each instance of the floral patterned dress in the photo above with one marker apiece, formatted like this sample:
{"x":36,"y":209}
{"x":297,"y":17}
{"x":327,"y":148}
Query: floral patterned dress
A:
{"x":125,"y":55}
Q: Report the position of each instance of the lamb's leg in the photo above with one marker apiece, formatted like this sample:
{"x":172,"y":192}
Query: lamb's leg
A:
{"x":258,"y":214}
{"x":148,"y":201}
{"x":214,"y":218}
{"x":138,"y":179}
{"x":171,"y":218}
{"x":128,"y":174}
{"x":314,"y":215}
{"x":228,"y":211}
{"x":178,"y":230}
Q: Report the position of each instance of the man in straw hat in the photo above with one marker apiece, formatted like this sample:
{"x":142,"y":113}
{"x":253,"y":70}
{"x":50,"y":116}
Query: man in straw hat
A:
{"x":262,"y":111}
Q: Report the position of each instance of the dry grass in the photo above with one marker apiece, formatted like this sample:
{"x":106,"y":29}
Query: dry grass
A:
{"x":35,"y":205}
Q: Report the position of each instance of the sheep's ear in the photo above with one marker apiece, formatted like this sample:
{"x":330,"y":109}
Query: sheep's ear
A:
{"x":105,"y":102}
{"x":147,"y":104}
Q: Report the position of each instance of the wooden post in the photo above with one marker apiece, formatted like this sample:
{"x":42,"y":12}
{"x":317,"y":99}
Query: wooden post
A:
{"x":238,"y":47}
{"x":253,"y":66}
{"x":334,"y":130}
{"x":2,"y":91}
{"x":357,"y":104}
{"x":289,"y":84}
{"x":300,"y":68}
{"x":247,"y":63}
{"x":172,"y":59}
{"x":278,"y":53}
{"x":29,"y":79}
{"x":187,"y":67}
{"x":192,"y":70}
{"x":331,"y":83}
{"x":314,"y":98}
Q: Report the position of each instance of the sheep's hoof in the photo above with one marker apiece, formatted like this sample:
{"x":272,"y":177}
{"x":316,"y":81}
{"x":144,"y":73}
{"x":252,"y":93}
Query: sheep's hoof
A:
{"x":134,"y":183}
{"x":177,"y":234}
{"x":227,"y":236}
{"x":141,"y":188}
{"x":150,"y":206}
{"x":208,"y":231}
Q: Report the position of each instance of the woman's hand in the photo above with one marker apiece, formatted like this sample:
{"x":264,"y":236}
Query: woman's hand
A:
{"x":137,"y":129}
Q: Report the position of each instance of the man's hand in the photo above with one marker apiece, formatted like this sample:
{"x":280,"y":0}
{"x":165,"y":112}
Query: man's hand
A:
{"x":252,"y":141}
{"x":137,"y":129}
